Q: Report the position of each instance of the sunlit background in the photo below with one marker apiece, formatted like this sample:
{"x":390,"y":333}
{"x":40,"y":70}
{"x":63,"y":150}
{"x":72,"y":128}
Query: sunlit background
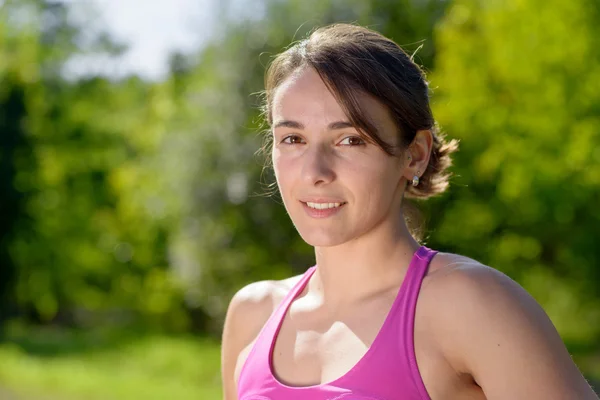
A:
{"x":133,"y":203}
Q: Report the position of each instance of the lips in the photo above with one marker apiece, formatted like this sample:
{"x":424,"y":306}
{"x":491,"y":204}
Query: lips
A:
{"x":321,"y":200}
{"x":323,"y":212}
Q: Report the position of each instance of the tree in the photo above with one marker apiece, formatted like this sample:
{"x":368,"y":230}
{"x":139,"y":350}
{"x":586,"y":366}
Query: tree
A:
{"x":516,"y":81}
{"x":73,"y":237}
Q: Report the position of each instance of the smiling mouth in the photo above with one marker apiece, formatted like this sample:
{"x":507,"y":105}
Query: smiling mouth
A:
{"x":323,"y":206}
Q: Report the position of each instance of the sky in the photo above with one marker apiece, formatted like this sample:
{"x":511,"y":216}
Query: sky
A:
{"x":150,"y":28}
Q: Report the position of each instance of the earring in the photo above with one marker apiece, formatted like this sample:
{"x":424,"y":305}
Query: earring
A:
{"x":415,"y":179}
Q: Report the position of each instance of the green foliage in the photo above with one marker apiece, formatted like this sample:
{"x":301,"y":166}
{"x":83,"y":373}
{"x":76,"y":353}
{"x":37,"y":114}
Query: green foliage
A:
{"x":19,"y":72}
{"x":517,"y":82}
{"x":72,"y":154}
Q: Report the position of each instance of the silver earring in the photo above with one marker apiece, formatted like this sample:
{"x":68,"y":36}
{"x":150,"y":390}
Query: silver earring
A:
{"x":415,"y":180}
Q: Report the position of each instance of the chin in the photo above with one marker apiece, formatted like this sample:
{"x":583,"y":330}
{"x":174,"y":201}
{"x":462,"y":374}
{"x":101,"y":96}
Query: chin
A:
{"x":321,"y":237}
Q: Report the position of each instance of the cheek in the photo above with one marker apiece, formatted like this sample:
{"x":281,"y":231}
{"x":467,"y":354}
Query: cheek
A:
{"x":283,"y":168}
{"x":373,"y":173}
{"x":377,"y":182}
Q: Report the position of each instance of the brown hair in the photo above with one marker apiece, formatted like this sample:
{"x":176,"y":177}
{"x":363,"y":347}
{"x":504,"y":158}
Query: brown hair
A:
{"x":352,"y":59}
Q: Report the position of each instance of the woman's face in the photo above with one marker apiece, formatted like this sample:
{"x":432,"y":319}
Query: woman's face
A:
{"x":319,"y":157}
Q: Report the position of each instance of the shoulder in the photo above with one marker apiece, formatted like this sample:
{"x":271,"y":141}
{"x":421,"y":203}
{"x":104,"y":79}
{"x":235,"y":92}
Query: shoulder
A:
{"x":486,"y":325}
{"x":248,"y":311}
{"x":462,"y":279}
{"x":457,"y":287}
{"x":471,"y":299}
{"x":462,"y":294}
{"x":253,"y":304}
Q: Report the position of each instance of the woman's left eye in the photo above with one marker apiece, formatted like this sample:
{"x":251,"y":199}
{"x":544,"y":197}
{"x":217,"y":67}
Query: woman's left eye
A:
{"x":354,"y":141}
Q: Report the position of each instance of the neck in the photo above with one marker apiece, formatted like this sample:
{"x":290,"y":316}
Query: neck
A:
{"x":376,"y":261}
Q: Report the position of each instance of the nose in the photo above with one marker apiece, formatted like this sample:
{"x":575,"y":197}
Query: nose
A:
{"x":318,"y":166}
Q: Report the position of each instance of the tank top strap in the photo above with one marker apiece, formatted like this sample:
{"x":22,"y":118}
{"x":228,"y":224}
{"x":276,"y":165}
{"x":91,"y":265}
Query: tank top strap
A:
{"x":276,"y":318}
{"x":256,"y":368}
{"x":417,"y":271}
{"x":405,"y":324}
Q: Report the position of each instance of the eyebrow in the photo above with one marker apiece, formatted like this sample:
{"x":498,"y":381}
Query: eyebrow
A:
{"x":298,"y":125}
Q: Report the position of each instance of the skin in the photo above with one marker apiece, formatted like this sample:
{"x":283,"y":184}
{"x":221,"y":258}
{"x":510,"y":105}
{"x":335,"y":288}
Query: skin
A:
{"x":492,"y":341}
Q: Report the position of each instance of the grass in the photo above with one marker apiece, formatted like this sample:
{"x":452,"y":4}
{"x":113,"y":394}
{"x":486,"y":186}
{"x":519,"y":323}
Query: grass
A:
{"x":55,"y":364}
{"x":51,"y":365}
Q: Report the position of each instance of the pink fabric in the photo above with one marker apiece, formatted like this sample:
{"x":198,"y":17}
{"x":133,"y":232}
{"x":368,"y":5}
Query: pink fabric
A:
{"x":388,"y":370}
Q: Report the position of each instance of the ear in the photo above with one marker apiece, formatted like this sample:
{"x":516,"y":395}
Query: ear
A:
{"x":417,"y":154}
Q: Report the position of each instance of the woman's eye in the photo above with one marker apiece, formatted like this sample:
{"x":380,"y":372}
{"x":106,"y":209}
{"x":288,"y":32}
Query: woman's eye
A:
{"x":354,"y":141}
{"x":293,"y":139}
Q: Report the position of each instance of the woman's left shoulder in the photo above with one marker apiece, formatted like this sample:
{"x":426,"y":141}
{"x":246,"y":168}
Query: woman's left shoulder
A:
{"x":486,"y":325}
{"x":450,"y":273}
{"x":460,"y":289}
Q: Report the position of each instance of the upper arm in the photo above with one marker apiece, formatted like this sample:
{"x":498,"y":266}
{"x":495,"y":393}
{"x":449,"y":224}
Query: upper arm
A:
{"x":247,"y":312}
{"x":496,"y":332}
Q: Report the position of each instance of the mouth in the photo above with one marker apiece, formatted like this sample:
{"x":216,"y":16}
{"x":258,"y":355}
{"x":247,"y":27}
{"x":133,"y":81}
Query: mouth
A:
{"x":322,"y":210}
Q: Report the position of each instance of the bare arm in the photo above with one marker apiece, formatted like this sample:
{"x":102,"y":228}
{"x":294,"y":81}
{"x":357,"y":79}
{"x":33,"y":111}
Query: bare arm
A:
{"x":496,"y":332}
{"x":230,"y":348}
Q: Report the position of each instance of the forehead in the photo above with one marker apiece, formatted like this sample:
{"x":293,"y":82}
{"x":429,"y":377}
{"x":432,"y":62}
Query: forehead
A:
{"x":304,"y":94}
{"x":304,"y":97}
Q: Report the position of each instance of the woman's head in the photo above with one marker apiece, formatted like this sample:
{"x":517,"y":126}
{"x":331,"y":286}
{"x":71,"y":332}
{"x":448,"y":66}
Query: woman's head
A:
{"x":347,"y":73}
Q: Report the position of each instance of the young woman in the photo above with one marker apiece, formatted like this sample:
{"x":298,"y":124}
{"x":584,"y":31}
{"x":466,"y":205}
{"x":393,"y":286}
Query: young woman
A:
{"x":379,"y":317}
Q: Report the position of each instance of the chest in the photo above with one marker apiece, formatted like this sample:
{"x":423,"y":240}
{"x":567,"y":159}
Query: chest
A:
{"x":311,"y":349}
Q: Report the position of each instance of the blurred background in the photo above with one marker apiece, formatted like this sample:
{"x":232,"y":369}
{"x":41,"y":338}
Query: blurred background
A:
{"x":132,"y":200}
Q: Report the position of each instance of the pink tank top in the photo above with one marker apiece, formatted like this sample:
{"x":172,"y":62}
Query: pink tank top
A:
{"x":387,"y":371}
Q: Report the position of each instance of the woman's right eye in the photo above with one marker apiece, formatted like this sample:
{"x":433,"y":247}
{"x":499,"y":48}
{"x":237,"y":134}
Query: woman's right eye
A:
{"x":291,"y":139}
